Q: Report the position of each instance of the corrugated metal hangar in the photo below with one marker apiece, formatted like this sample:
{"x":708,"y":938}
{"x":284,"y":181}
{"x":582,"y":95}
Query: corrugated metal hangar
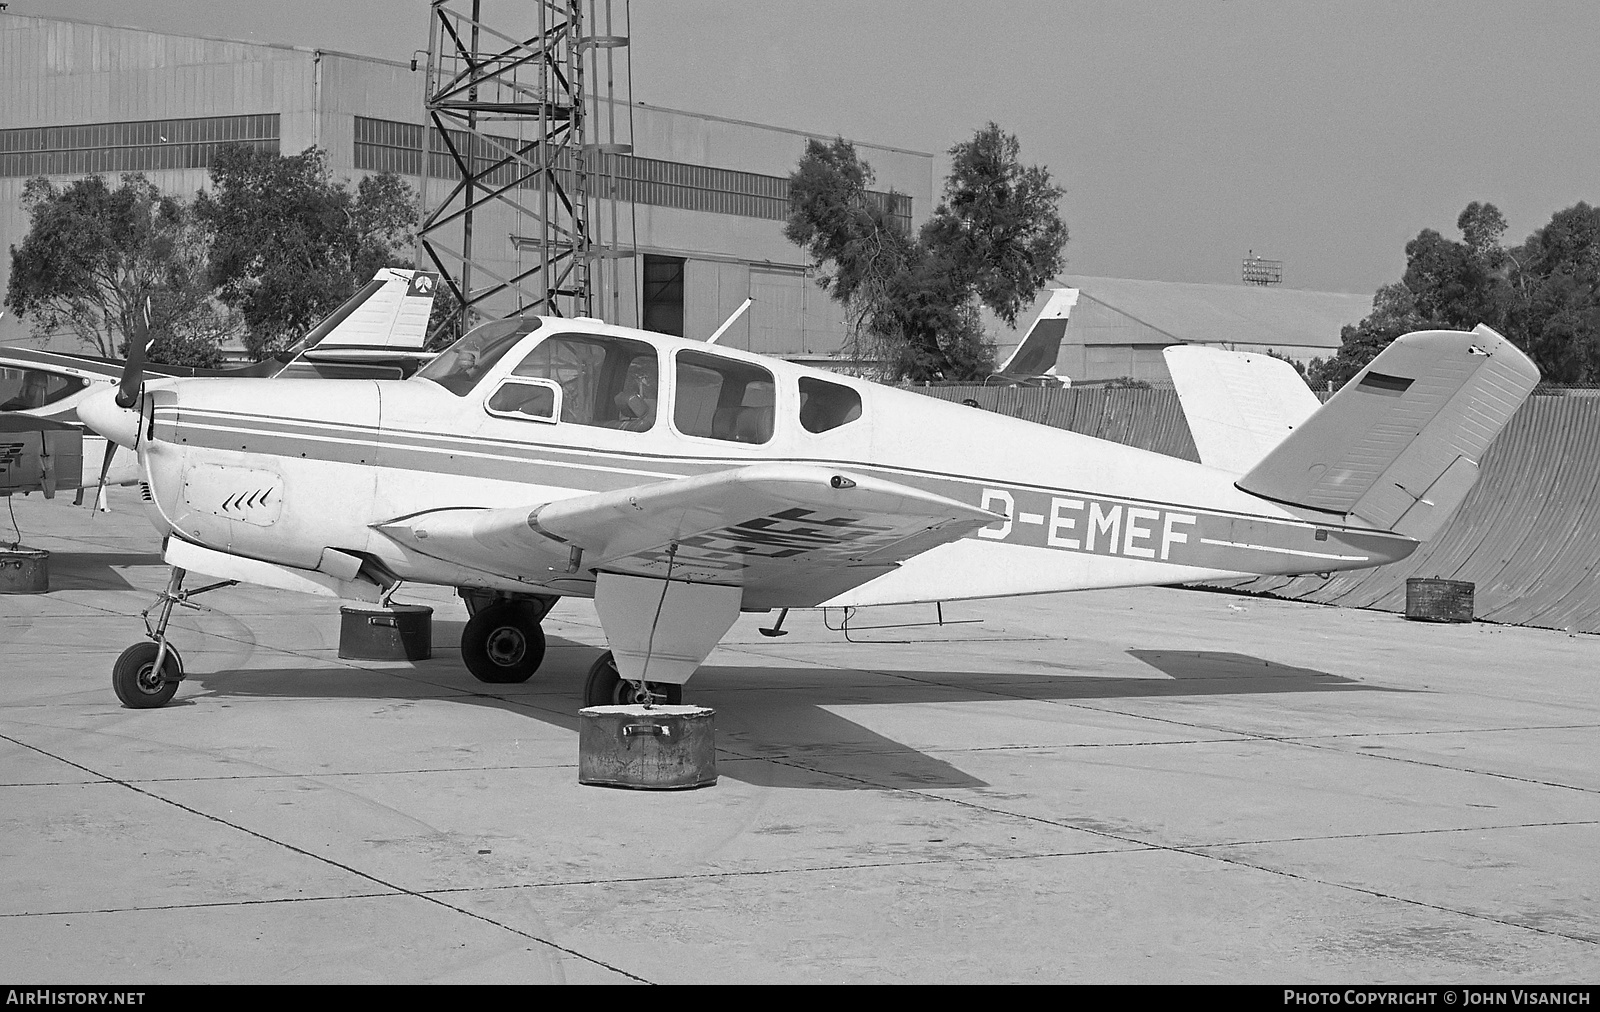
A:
{"x":708,"y":194}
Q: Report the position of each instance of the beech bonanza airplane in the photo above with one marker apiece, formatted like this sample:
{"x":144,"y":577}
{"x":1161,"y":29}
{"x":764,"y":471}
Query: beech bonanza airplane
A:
{"x":678,"y":484}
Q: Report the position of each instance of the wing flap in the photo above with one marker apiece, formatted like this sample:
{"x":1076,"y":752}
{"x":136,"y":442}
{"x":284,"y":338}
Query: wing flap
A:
{"x":791,"y":533}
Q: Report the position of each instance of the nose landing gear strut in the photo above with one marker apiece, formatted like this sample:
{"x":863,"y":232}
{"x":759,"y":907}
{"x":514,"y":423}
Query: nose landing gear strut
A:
{"x":147,"y":674}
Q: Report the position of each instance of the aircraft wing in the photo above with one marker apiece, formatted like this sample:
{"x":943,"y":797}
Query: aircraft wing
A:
{"x":792,"y":535}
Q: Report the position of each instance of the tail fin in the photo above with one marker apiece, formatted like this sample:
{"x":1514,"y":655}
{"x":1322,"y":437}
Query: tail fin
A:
{"x":1240,"y":406}
{"x":1036,"y":355}
{"x":388,"y":314}
{"x":1399,"y":446}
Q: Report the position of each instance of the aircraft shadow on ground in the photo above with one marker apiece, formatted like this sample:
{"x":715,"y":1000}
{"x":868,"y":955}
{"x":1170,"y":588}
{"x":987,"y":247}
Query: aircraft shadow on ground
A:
{"x":94,"y":570}
{"x":774,"y":725}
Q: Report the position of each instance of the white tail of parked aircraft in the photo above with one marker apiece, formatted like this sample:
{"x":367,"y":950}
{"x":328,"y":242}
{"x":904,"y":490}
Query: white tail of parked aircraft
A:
{"x":1036,"y":354}
{"x":388,"y":314}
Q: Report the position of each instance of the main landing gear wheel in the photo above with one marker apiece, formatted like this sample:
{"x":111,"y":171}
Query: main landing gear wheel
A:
{"x":503,"y":643}
{"x":606,"y":687}
{"x":135,"y":679}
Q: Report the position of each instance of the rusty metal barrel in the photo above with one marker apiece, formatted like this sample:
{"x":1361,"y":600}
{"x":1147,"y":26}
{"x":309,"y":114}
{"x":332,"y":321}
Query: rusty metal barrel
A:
{"x":661,"y":748}
{"x":24,"y":571}
{"x":400,"y":632}
{"x":1432,"y":600}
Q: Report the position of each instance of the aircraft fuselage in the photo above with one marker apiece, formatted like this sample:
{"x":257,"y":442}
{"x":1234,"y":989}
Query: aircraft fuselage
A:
{"x":282,"y":472}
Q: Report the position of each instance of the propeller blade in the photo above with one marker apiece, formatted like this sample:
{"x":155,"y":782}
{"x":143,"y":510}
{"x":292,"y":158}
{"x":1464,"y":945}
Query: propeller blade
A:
{"x":105,"y":469}
{"x":133,"y":369}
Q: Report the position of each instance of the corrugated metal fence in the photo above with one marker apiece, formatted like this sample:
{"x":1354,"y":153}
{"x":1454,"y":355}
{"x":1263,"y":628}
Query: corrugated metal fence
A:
{"x":1528,"y":535}
{"x":1149,"y":419}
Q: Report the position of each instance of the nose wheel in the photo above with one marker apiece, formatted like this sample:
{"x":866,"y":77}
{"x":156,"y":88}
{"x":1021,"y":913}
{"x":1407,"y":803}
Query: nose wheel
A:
{"x":607,"y":687}
{"x":136,"y":681}
{"x":146,"y":675}
{"x":503,"y":643}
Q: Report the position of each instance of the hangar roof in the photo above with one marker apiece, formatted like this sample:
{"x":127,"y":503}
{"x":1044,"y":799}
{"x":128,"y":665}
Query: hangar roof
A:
{"x":1228,"y":314}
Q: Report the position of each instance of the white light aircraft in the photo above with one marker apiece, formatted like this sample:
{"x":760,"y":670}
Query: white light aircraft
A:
{"x":678,"y":484}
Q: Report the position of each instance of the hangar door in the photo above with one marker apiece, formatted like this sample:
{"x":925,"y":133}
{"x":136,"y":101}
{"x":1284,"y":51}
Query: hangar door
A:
{"x":791,"y":315}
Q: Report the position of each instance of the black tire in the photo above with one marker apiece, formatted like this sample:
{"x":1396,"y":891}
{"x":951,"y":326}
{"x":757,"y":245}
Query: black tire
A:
{"x":503,"y":643}
{"x":606,"y":687}
{"x":134,"y":679}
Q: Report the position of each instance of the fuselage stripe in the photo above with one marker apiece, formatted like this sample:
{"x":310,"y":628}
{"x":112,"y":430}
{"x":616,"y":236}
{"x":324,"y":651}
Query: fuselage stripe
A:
{"x":1284,"y":551}
{"x":413,"y":441}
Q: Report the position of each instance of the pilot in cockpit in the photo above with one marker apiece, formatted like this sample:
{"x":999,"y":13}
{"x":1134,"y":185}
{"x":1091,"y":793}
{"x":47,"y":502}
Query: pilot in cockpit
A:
{"x":636,"y":401}
{"x":32,"y":395}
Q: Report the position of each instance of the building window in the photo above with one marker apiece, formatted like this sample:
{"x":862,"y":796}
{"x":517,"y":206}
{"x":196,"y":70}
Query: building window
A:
{"x":387,"y":146}
{"x":143,"y":146}
{"x":663,"y":295}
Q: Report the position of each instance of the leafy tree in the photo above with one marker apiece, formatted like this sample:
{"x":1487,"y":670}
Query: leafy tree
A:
{"x":1394,"y":312}
{"x":1544,"y":295}
{"x":1481,"y":227}
{"x":1556,"y":311}
{"x":291,"y":243}
{"x":998,"y":230}
{"x":1453,"y":285}
{"x":913,"y":302}
{"x":833,"y":217}
{"x":96,"y":255}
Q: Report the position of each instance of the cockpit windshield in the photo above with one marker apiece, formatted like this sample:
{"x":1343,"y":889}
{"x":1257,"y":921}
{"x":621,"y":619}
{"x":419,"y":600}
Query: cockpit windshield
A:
{"x":459,"y":367}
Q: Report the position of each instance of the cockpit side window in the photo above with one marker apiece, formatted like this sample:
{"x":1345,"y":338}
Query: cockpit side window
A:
{"x":25,"y":389}
{"x":610,"y":382}
{"x":722,"y":399}
{"x":459,"y":367}
{"x":825,"y":405}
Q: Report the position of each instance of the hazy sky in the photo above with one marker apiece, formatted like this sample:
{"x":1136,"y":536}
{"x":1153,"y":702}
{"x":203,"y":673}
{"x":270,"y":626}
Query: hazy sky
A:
{"x":1325,"y":134}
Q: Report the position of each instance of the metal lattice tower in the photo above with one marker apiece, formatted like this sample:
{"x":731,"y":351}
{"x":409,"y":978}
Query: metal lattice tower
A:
{"x":510,"y":130}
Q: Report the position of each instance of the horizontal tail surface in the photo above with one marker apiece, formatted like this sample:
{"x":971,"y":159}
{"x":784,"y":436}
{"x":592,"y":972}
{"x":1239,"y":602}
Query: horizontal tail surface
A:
{"x":1399,"y":446}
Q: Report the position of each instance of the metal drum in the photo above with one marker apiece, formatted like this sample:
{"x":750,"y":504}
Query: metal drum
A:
{"x":660,"y":748}
{"x":400,"y":632}
{"x":24,"y":571}
{"x":1430,"y":600}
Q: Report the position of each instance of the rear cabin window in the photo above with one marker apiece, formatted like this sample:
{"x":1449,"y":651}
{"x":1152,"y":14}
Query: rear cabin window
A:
{"x":610,"y":382}
{"x":825,"y":405}
{"x":723,"y":399}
